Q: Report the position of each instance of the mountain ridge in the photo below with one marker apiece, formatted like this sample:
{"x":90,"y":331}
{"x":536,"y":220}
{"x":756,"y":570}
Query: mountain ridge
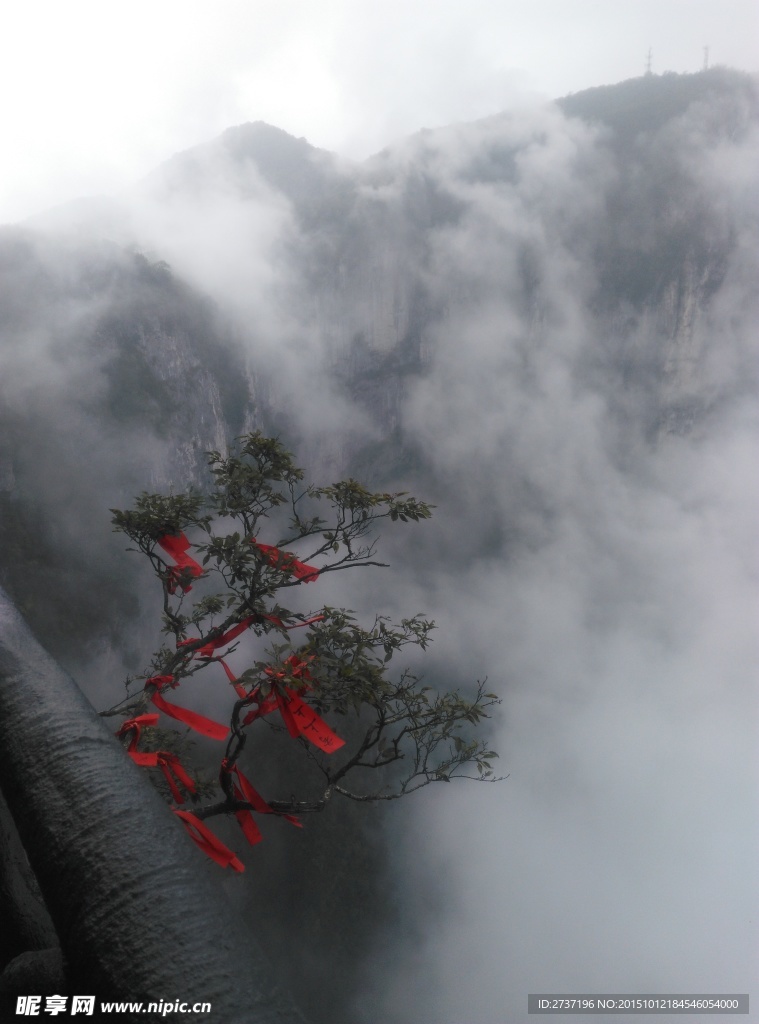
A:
{"x":295,"y":165}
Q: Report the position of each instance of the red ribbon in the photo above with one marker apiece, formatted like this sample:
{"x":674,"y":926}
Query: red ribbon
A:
{"x":207,"y":650}
{"x":239,"y":688}
{"x":243,"y":790}
{"x":135,"y":725}
{"x":296,"y":625}
{"x":205,"y":726}
{"x":178,"y":546}
{"x":265,"y":706}
{"x":168,"y":763}
{"x":203,"y":837}
{"x":298,"y":669}
{"x":172,"y":769}
{"x":299,"y":718}
{"x":285,"y":561}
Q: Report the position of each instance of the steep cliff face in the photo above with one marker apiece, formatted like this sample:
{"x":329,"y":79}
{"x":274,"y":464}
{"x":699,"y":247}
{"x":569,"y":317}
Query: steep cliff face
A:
{"x":632,"y":219}
{"x":115,"y":377}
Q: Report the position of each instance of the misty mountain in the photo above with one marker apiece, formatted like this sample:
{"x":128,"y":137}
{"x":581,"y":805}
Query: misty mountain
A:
{"x":544,"y":322}
{"x":282,"y":286}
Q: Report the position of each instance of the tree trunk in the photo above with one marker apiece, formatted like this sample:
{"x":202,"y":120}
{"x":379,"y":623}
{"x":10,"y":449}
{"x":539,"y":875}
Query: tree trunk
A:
{"x":26,"y":922}
{"x":139,"y":912}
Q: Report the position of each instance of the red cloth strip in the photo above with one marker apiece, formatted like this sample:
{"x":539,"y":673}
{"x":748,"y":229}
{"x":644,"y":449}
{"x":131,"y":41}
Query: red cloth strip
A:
{"x":205,"y":726}
{"x":135,"y":725}
{"x":140,"y":720}
{"x":248,"y":793}
{"x":298,"y":669}
{"x":285,"y":561}
{"x":309,"y":724}
{"x":296,"y":625}
{"x":206,"y":651}
{"x":172,"y":769}
{"x":146,"y":760}
{"x":239,"y":688}
{"x":245,"y":820}
{"x":265,"y":706}
{"x":177,"y":547}
{"x":175,"y":793}
{"x":177,"y":770}
{"x":287,"y":716}
{"x":299,"y":717}
{"x":244,"y":790}
{"x":169,"y":765}
{"x":212,"y":846}
{"x":295,"y":665}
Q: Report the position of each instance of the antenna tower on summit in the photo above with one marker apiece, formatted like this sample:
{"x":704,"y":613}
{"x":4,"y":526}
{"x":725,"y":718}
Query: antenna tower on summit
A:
{"x":648,"y":62}
{"x":706,"y":58}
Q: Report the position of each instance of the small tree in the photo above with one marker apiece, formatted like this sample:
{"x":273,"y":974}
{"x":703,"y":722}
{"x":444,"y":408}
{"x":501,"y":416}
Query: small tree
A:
{"x":398,"y":728}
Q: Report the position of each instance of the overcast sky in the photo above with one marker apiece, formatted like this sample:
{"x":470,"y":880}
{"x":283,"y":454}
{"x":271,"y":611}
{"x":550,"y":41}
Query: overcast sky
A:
{"x":95,"y":94}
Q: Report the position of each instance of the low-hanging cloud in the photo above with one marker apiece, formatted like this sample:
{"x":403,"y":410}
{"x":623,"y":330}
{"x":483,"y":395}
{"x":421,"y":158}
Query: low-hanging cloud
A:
{"x":594,"y":556}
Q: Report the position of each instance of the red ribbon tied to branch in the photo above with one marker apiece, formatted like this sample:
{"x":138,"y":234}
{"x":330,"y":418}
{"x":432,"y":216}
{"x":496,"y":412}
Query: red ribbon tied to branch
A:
{"x":205,"y":726}
{"x":298,"y":669}
{"x":301,"y":720}
{"x":169,"y":763}
{"x":243,"y":790}
{"x":212,"y":846}
{"x":285,"y":561}
{"x":172,"y":769}
{"x":207,"y":650}
{"x":299,"y":717}
{"x":178,"y":546}
{"x":134,"y":725}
